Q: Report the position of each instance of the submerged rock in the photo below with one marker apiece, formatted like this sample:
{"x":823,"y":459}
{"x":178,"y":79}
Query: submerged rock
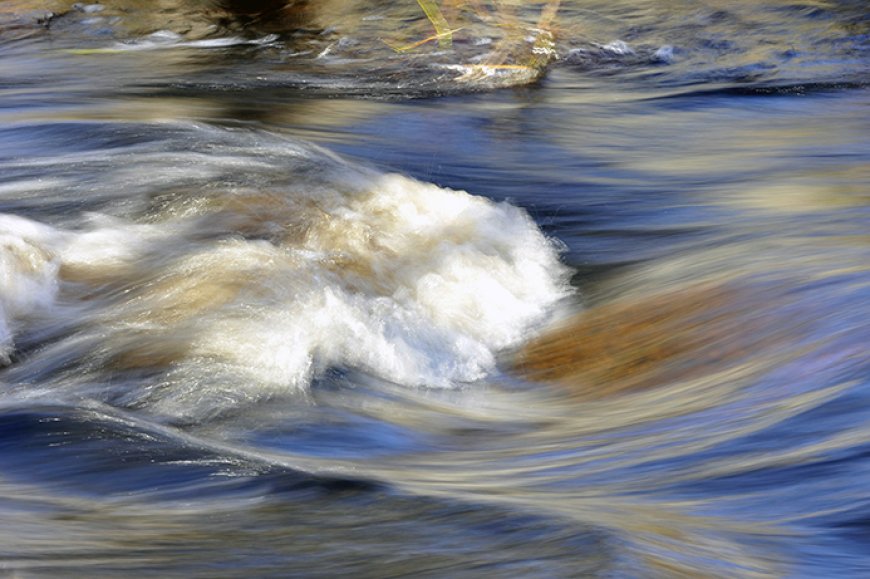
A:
{"x":641,"y":342}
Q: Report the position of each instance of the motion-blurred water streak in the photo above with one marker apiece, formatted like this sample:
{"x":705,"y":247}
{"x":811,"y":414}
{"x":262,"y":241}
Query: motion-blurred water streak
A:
{"x":277,"y":299}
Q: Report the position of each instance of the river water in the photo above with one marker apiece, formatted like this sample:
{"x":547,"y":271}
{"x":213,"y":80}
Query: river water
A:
{"x":279,"y":300}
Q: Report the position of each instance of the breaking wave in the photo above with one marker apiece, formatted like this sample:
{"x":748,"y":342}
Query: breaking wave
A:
{"x":222,"y":292}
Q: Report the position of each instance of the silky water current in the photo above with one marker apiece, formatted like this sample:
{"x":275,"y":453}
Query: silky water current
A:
{"x":289,"y":294}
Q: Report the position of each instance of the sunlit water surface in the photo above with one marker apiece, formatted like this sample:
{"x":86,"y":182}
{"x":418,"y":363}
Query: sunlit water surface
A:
{"x":262,"y":313}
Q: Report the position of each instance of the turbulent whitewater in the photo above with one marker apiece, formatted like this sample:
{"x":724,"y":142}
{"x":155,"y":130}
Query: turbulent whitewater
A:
{"x":298,"y":292}
{"x":223,"y":292}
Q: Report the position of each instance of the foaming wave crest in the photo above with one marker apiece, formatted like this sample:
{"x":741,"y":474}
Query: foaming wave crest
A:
{"x":214,"y":297}
{"x":28,"y":275}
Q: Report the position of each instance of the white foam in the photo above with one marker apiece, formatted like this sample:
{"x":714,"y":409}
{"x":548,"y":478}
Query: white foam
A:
{"x":664,"y":54}
{"x":28,"y":275}
{"x":437,"y":281}
{"x":169,"y":39}
{"x":619,"y":47}
{"x":408,"y":281}
{"x":108,"y":243}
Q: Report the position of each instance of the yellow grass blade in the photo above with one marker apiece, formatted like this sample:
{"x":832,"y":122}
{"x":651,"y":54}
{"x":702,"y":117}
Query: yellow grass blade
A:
{"x":413,"y":45}
{"x":433,"y":13}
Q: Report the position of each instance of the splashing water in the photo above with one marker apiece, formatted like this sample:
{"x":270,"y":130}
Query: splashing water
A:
{"x":611,"y":323}
{"x":275,"y":284}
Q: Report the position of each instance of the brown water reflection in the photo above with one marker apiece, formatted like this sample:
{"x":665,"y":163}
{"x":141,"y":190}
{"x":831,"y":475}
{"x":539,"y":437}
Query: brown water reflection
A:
{"x":642,"y":342}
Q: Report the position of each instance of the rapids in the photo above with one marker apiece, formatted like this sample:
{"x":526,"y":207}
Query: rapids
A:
{"x":309,"y":292}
